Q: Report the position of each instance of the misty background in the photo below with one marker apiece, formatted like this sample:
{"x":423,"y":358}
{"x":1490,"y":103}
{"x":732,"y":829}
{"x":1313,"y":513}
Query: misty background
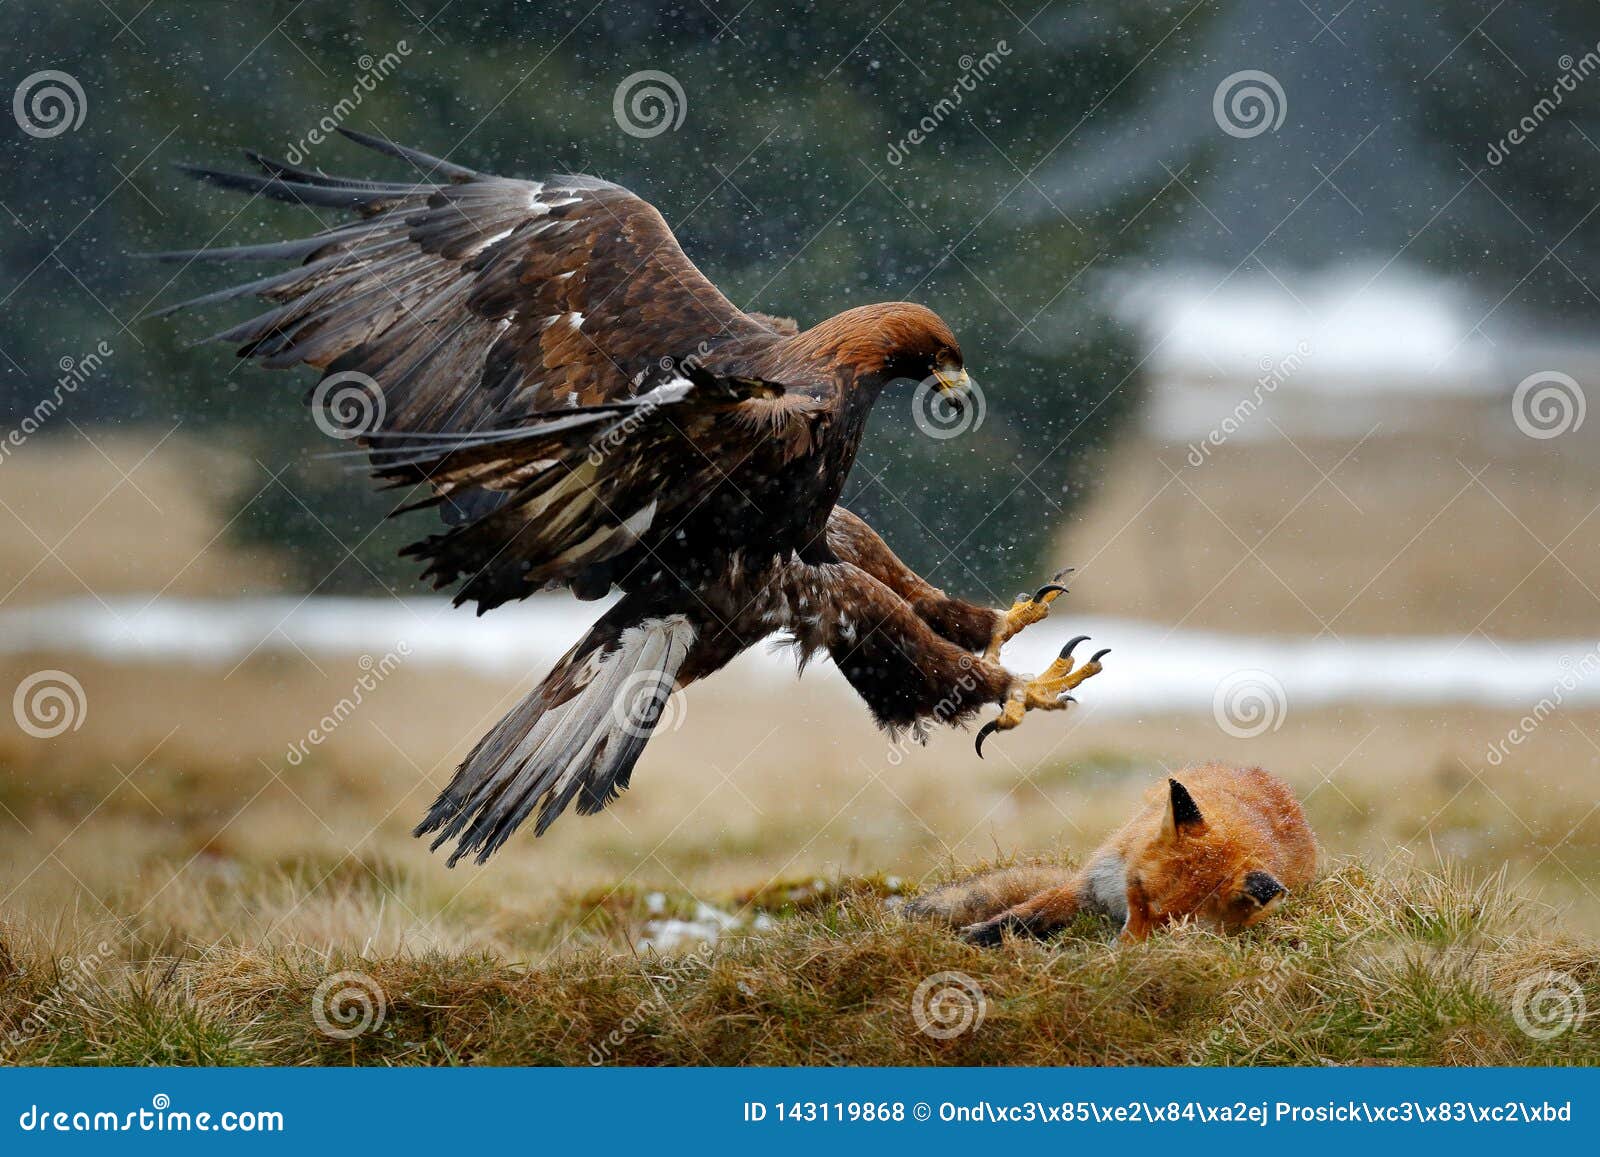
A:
{"x":1069,"y":216}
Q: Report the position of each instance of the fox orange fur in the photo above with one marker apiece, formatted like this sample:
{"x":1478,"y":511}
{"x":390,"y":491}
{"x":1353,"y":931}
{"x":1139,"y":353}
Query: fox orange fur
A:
{"x":1222,"y":845}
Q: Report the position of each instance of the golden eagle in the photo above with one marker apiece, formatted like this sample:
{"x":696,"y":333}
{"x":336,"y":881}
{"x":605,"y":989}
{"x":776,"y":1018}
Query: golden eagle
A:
{"x":588,"y":411}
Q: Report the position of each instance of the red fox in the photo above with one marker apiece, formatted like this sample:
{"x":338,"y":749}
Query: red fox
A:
{"x":1221,"y":844}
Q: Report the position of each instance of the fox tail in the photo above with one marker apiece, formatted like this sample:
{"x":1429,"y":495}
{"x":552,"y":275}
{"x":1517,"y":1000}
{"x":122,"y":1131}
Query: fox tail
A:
{"x":986,"y":895}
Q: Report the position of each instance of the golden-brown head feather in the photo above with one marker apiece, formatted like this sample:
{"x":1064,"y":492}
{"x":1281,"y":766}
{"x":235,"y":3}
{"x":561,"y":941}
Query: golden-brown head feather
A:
{"x":885,"y":339}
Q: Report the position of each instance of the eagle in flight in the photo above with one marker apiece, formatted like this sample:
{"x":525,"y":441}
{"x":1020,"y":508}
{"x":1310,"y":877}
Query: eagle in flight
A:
{"x":545,"y":365}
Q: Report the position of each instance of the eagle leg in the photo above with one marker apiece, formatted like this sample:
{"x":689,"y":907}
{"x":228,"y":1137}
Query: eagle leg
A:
{"x":1049,"y":691}
{"x":1026,"y":611}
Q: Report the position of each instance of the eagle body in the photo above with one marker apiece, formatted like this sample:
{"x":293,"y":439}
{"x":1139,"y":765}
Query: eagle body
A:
{"x":541,"y":362}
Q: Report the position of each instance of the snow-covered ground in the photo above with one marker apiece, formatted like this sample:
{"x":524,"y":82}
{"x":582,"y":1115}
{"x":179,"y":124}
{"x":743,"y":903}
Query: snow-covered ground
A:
{"x":1152,"y":668}
{"x":1329,"y":353}
{"x":1358,"y":332}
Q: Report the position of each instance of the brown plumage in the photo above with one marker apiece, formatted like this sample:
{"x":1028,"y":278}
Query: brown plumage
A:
{"x":588,"y":411}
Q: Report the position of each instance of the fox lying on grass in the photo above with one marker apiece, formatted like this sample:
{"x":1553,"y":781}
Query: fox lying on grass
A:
{"x":1217,"y":843}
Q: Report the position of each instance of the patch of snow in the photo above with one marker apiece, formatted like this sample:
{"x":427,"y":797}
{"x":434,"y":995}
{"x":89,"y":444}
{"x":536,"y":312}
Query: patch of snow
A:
{"x":1366,"y":332}
{"x":707,"y":927}
{"x":670,"y":935}
{"x":1152,"y":668}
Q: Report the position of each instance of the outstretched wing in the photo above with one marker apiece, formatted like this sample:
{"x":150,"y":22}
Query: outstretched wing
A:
{"x":470,"y":298}
{"x":469,"y":303}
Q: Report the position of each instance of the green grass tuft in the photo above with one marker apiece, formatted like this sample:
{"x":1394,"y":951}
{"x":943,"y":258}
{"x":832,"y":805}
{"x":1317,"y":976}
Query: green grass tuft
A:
{"x":1359,"y":969}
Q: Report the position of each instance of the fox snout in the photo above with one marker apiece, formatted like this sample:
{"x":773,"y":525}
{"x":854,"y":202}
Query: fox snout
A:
{"x":1263,"y":887}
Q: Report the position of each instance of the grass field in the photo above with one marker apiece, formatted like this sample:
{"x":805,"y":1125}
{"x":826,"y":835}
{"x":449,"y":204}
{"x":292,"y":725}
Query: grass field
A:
{"x":212,"y":887}
{"x":1408,"y":969}
{"x":1433,"y":533}
{"x":174,"y":887}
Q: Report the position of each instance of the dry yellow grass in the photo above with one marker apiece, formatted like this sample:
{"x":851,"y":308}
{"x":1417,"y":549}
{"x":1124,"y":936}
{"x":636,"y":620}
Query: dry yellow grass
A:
{"x":101,"y":514}
{"x":1407,"y":968}
{"x":227,"y":881}
{"x":178,"y":784}
{"x":1421,"y":534}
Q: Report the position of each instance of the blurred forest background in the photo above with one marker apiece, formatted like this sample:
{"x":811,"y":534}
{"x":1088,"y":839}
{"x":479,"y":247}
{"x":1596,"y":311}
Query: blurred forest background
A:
{"x":777,"y":184}
{"x":1054,"y":169}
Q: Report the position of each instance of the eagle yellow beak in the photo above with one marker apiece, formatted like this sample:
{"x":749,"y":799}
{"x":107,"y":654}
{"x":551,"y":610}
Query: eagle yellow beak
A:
{"x":952,"y":381}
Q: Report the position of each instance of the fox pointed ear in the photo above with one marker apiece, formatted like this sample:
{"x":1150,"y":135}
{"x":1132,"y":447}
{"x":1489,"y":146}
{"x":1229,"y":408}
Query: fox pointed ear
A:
{"x":1183,"y":814}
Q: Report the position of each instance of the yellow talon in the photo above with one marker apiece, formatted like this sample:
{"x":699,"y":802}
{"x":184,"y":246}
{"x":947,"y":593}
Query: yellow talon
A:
{"x":1048,"y":691}
{"x":1026,"y":611}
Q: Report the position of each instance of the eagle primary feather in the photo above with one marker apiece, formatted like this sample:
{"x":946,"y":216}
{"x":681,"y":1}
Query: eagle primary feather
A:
{"x":589,"y":411}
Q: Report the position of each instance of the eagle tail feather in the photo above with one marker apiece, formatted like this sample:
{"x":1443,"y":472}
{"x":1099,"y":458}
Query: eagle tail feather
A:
{"x":575,"y":736}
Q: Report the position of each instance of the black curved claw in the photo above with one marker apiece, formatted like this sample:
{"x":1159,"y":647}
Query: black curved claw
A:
{"x":1063,"y":573}
{"x":1100,"y":654}
{"x":1066,"y":652}
{"x":984,"y":732}
{"x":1066,"y":697}
{"x":1039,"y":594}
